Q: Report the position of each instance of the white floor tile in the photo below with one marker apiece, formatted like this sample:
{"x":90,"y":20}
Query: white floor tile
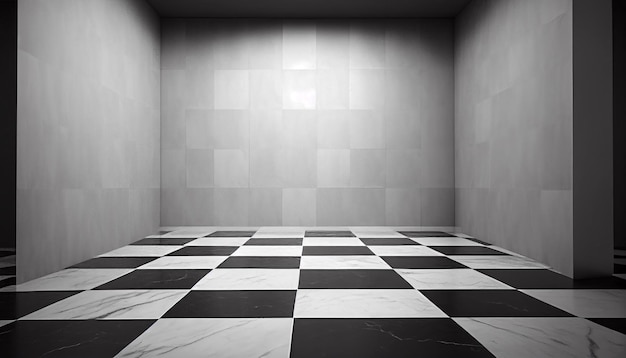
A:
{"x":185,"y":262}
{"x":73,"y":280}
{"x":377,"y":234}
{"x":5,"y":322}
{"x":142,"y":250}
{"x":363,"y":303}
{"x":497,"y":262}
{"x":343,"y":262}
{"x":249,"y":279}
{"x":585,"y":303}
{"x":214,"y":337}
{"x":450,"y":279}
{"x":111,"y":304}
{"x":445,"y":241}
{"x":268,"y":251}
{"x":404,"y":250}
{"x":519,"y":337}
{"x":218,"y":241}
{"x":332,"y":241}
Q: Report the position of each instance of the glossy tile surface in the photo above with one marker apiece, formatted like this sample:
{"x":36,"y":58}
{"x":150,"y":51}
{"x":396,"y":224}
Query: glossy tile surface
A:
{"x":363,"y":304}
{"x":200,"y":337}
{"x":369,"y":295}
{"x":544,"y":337}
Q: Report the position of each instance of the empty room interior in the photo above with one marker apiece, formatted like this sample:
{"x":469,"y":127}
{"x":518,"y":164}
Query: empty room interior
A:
{"x":313,"y":178}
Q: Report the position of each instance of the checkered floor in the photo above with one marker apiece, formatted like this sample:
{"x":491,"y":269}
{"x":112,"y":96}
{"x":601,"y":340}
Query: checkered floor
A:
{"x":312,"y":294}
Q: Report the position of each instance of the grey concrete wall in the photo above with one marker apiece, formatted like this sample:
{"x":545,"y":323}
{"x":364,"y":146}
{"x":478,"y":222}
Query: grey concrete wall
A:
{"x":87,"y":130}
{"x":514,"y":127}
{"x":307,"y":122}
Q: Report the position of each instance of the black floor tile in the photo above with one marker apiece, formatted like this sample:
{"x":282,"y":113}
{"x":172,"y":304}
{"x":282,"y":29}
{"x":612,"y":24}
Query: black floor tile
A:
{"x":328,"y":233}
{"x":9,"y":270}
{"x":478,"y":241}
{"x":619,"y":268}
{"x":204,"y":251}
{"x":155,"y":279}
{"x":336,"y":250}
{"x":387,"y":337}
{"x":421,"y":262}
{"x":467,"y":250}
{"x":351,"y":279}
{"x":277,"y":241}
{"x":389,"y":241}
{"x":234,"y":304}
{"x":546,"y":279}
{"x":4,"y":253}
{"x":10,"y":281}
{"x":232,"y":234}
{"x":114,"y":262}
{"x":616,"y":324}
{"x":14,"y":305}
{"x":89,"y":338}
{"x":425,"y":234}
{"x":163,"y":241}
{"x":491,"y":303}
{"x":261,"y":262}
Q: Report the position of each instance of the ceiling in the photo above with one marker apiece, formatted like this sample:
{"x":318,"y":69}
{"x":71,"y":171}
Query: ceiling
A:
{"x":308,"y":8}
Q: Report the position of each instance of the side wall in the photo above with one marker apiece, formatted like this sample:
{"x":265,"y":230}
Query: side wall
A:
{"x":307,"y":122}
{"x":514,"y":127}
{"x":87,"y":130}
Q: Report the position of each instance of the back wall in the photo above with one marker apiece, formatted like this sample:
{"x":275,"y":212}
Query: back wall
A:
{"x":270,"y":122}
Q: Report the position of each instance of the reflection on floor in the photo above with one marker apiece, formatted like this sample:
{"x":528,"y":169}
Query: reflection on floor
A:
{"x":280,"y":293}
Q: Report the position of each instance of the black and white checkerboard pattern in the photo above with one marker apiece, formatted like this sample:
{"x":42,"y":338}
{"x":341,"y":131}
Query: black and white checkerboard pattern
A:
{"x":312,"y":294}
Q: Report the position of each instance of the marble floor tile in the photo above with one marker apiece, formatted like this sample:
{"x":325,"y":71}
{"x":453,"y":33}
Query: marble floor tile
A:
{"x":232,"y":234}
{"x":491,"y":303}
{"x":336,"y":250}
{"x":73,"y":338}
{"x":284,"y":241}
{"x":268,"y":251}
{"x":421,"y":262}
{"x":114,"y":262}
{"x":328,"y":233}
{"x":366,"y":234}
{"x":157,"y":279}
{"x":350,"y":279}
{"x":204,"y":251}
{"x":142,"y":250}
{"x":72,"y":280}
{"x":382,"y":337}
{"x":219,"y":241}
{"x":388,"y":241}
{"x":445,"y":241}
{"x":116,"y":304}
{"x":396,"y":250}
{"x":363,"y":304}
{"x":585,"y":303}
{"x":450,"y":279}
{"x":343,"y":262}
{"x":547,"y":279}
{"x":270,"y":234}
{"x":4,"y":322}
{"x":249,"y":279}
{"x":414,"y":234}
{"x":498,"y":262}
{"x":616,"y":324}
{"x":332,"y":241}
{"x":544,"y":337}
{"x":163,"y":241}
{"x":234,"y":304}
{"x":274,"y":262}
{"x":467,"y":250}
{"x":184,"y":262}
{"x":214,"y":337}
{"x":14,"y":305}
